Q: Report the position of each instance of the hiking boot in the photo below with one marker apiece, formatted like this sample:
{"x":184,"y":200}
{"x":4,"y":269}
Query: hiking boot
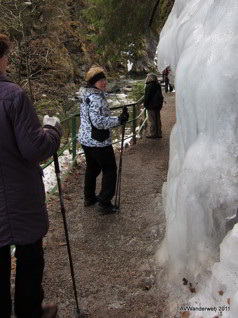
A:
{"x":106,"y":208}
{"x":90,"y":202}
{"x":49,"y":311}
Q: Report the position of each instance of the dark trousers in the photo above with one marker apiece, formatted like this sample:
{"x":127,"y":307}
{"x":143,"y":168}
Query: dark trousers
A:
{"x":167,"y":85}
{"x":29,"y":272}
{"x":100,"y":159}
{"x":154,"y":122}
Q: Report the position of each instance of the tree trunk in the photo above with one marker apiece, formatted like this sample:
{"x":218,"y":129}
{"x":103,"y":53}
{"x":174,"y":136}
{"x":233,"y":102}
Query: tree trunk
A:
{"x":153,"y":13}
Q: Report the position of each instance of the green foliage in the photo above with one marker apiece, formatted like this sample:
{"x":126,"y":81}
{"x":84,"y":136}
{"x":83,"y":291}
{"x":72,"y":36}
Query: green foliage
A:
{"x":120,"y":25}
{"x":137,"y":91}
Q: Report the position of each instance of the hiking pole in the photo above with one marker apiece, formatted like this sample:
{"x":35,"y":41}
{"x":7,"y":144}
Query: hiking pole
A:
{"x":118,"y":185}
{"x":57,"y":172}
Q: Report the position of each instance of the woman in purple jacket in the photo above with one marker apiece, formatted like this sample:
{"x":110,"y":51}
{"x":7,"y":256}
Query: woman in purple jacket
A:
{"x":23,"y":215}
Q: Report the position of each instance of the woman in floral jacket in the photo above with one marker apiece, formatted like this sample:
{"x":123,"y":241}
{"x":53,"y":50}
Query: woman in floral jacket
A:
{"x":96,"y":139}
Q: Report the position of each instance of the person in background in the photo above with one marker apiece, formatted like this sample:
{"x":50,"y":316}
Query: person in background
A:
{"x":153,"y":102}
{"x":167,"y":84}
{"x":23,"y":215}
{"x":95,"y":137}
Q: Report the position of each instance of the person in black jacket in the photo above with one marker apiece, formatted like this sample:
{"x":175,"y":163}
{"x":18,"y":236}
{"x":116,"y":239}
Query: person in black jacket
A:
{"x":153,"y":102}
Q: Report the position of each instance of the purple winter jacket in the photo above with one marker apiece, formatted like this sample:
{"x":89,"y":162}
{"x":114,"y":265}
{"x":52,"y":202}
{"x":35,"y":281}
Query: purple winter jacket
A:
{"x":23,"y":144}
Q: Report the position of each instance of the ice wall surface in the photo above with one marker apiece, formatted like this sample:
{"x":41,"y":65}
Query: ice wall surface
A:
{"x":200,"y":43}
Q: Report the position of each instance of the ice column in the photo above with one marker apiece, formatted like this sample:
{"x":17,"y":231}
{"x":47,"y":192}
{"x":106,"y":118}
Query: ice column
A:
{"x":200,"y":43}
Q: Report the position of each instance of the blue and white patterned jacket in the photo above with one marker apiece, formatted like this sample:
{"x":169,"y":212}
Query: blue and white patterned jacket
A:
{"x":98,"y":110}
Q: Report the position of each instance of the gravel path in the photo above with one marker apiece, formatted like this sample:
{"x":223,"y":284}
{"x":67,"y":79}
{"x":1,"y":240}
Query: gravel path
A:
{"x":116,"y":273}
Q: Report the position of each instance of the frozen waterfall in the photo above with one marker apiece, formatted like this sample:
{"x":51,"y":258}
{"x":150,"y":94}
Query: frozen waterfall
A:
{"x":200,"y":43}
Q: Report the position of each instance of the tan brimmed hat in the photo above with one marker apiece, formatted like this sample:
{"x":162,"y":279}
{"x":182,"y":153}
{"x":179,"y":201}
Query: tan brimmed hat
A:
{"x":94,"y":74}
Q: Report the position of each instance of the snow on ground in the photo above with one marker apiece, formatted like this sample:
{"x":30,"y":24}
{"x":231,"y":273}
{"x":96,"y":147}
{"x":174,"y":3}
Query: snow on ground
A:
{"x":49,"y":179}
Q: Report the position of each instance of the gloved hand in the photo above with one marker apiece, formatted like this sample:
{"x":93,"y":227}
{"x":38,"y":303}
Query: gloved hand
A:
{"x":53,"y":123}
{"x":123,"y":118}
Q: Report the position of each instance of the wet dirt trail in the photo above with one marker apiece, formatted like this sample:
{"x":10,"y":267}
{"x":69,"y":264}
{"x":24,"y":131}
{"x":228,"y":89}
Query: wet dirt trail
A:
{"x":115,"y":269}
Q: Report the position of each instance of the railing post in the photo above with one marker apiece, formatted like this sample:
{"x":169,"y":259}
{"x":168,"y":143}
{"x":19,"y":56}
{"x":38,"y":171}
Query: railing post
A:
{"x":73,"y":138}
{"x":134,"y":124}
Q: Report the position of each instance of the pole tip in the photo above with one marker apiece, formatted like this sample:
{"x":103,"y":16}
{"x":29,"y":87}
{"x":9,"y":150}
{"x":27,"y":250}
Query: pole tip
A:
{"x":80,"y":314}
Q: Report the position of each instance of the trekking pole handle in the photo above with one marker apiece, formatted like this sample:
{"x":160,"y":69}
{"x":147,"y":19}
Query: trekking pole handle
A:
{"x":56,"y":162}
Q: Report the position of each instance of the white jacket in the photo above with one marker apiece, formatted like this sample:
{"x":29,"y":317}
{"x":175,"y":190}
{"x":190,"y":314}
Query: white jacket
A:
{"x":93,"y":103}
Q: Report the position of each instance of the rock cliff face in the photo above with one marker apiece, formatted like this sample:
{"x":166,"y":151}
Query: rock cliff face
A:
{"x":145,"y":62}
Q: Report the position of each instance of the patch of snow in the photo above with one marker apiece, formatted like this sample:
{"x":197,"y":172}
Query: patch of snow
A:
{"x":129,"y":66}
{"x":49,"y":179}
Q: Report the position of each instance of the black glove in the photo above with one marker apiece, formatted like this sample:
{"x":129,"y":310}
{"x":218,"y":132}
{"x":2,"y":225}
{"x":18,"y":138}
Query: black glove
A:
{"x":123,"y":118}
{"x":53,"y":123}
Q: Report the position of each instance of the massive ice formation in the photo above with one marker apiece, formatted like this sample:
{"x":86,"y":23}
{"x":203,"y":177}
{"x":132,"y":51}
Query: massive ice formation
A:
{"x":200,"y":43}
